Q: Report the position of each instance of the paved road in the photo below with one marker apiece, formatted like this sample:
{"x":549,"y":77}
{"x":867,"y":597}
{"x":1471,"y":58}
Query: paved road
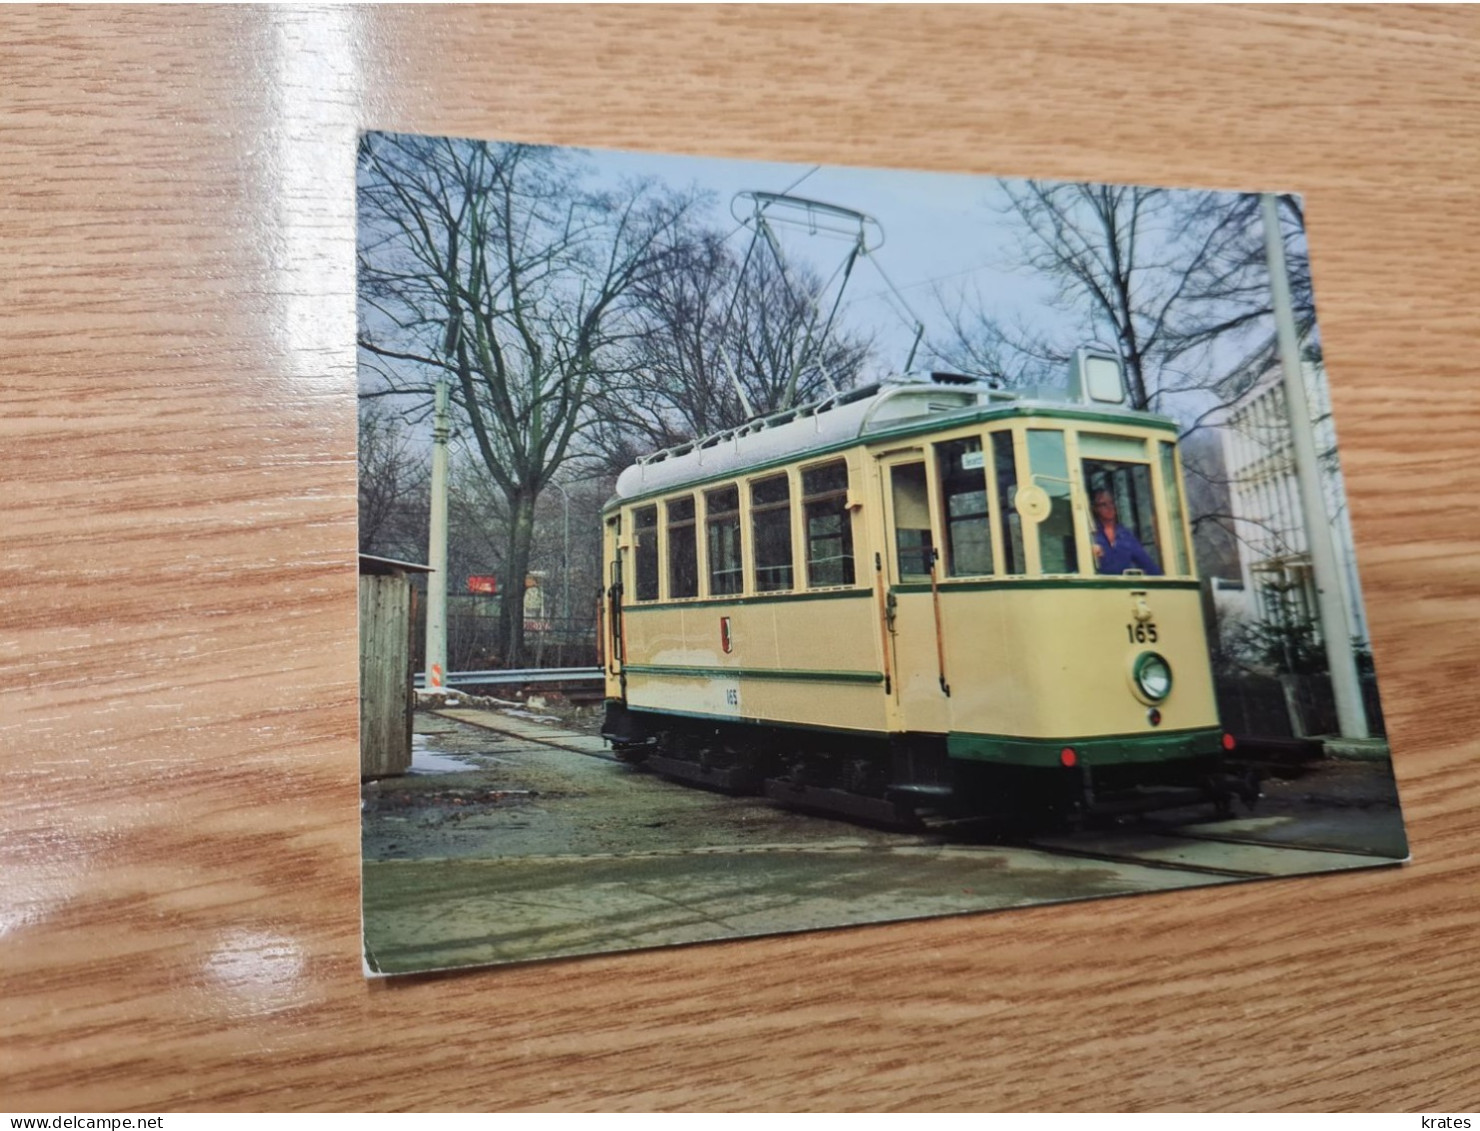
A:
{"x":538,"y":850}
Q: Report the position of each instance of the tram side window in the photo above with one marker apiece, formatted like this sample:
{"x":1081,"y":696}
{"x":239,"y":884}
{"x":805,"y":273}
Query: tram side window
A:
{"x":726,"y":575}
{"x":1057,"y":551}
{"x":963,"y":483}
{"x":1174,"y":505}
{"x":829,"y":529}
{"x":1013,"y":559}
{"x":770,"y":517}
{"x":683,"y":549}
{"x":912,"y":541}
{"x":645,"y":534}
{"x":1121,"y":499}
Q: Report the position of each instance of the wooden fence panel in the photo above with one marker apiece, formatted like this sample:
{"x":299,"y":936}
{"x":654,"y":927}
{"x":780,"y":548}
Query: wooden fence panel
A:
{"x":385,"y":676}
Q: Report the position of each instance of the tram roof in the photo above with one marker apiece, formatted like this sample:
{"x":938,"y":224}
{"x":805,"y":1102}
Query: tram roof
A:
{"x":844,"y":420}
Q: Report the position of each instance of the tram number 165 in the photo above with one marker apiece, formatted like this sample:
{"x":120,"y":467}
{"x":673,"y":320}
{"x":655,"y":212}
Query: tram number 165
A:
{"x":1141,"y":633}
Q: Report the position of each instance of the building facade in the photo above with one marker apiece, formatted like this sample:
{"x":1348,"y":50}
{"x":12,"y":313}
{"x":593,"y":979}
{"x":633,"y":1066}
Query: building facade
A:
{"x":1268,"y":519}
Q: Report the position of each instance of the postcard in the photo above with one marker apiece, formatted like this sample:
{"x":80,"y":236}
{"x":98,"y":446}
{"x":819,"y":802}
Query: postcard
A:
{"x":750,"y":548}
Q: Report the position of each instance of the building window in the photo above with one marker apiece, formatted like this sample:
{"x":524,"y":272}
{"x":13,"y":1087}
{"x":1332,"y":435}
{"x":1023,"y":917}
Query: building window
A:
{"x":963,"y":485}
{"x":770,"y":519}
{"x":725,"y":572}
{"x":829,"y":528}
{"x":645,"y":535}
{"x":683,"y":549}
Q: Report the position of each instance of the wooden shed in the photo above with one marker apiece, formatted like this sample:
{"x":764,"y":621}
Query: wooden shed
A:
{"x":387,"y":698}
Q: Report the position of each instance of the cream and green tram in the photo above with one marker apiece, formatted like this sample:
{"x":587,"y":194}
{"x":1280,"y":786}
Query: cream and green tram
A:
{"x":897,"y":598}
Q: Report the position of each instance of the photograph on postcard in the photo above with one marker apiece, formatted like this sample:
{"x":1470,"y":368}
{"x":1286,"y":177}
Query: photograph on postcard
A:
{"x":750,"y":548}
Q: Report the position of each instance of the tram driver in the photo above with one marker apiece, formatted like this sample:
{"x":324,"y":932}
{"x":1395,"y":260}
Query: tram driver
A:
{"x":1116,"y":548}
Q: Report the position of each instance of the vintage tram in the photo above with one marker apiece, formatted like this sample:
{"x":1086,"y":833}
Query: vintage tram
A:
{"x":896,"y":599}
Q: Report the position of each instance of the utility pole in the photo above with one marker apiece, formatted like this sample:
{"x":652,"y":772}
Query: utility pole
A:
{"x":1335,"y":631}
{"x":437,"y":550}
{"x":564,"y":575}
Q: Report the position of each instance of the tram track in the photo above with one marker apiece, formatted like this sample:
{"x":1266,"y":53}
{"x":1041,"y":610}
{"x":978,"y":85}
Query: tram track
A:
{"x":1149,"y":862}
{"x":1148,"y":845}
{"x":1257,"y":842}
{"x":1206,"y":854}
{"x":459,"y":715}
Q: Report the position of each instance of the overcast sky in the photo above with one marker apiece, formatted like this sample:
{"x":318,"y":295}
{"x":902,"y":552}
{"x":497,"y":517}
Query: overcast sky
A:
{"x":941,"y":231}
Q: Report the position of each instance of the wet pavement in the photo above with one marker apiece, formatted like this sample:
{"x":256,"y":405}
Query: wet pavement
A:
{"x":530,"y":842}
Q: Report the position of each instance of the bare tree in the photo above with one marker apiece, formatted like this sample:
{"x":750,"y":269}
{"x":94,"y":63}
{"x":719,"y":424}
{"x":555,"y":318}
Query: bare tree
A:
{"x":773,"y":330}
{"x":1227,"y":297}
{"x":1158,"y":275}
{"x":394,"y":486}
{"x":494,"y":265}
{"x":982,"y":344}
{"x":705,"y":324}
{"x":1091,"y":242}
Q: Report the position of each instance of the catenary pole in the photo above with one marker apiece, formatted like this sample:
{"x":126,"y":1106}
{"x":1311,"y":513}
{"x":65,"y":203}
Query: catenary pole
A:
{"x":436,"y":671}
{"x":1335,"y":629}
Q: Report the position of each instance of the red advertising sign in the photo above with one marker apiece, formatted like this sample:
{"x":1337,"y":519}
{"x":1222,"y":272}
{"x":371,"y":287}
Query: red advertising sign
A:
{"x":483,"y":584}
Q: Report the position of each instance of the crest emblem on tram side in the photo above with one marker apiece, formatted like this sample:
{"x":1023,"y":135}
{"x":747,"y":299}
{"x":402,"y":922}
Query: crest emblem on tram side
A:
{"x":725,"y":640}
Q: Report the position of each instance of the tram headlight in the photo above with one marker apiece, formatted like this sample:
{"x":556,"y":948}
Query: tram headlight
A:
{"x":1153,"y":676}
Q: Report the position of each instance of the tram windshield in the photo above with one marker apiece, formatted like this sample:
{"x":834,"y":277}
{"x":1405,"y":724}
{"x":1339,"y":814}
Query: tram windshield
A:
{"x":1050,"y":464}
{"x":1052,"y":501}
{"x":1122,"y":517}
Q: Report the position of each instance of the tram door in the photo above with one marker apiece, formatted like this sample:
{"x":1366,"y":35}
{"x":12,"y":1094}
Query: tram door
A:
{"x":909,"y":614}
{"x":609,"y":627}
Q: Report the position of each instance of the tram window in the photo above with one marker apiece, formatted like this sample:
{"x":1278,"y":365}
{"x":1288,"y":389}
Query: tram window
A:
{"x":1057,"y":551}
{"x":963,"y":484}
{"x":912,"y":541}
{"x":1174,"y":506}
{"x":1104,"y":445}
{"x":1129,"y":488}
{"x":723,"y":542}
{"x":645,"y":533}
{"x":829,"y":529}
{"x":1003,"y":464}
{"x":683,"y":549}
{"x":770,"y":519}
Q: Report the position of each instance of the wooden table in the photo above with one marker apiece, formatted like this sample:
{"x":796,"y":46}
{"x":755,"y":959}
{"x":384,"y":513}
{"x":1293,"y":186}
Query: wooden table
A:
{"x":179,"y":900}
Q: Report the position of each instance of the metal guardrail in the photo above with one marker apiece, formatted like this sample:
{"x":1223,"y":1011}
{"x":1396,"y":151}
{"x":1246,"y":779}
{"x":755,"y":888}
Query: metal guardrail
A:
{"x":519,"y":675}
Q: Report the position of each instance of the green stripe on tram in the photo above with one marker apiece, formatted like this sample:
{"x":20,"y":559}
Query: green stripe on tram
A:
{"x":806,"y":674}
{"x":633,"y":606}
{"x":1065,"y":583}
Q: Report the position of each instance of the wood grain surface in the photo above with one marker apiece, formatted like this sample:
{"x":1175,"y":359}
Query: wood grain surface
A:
{"x":179,"y":902}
